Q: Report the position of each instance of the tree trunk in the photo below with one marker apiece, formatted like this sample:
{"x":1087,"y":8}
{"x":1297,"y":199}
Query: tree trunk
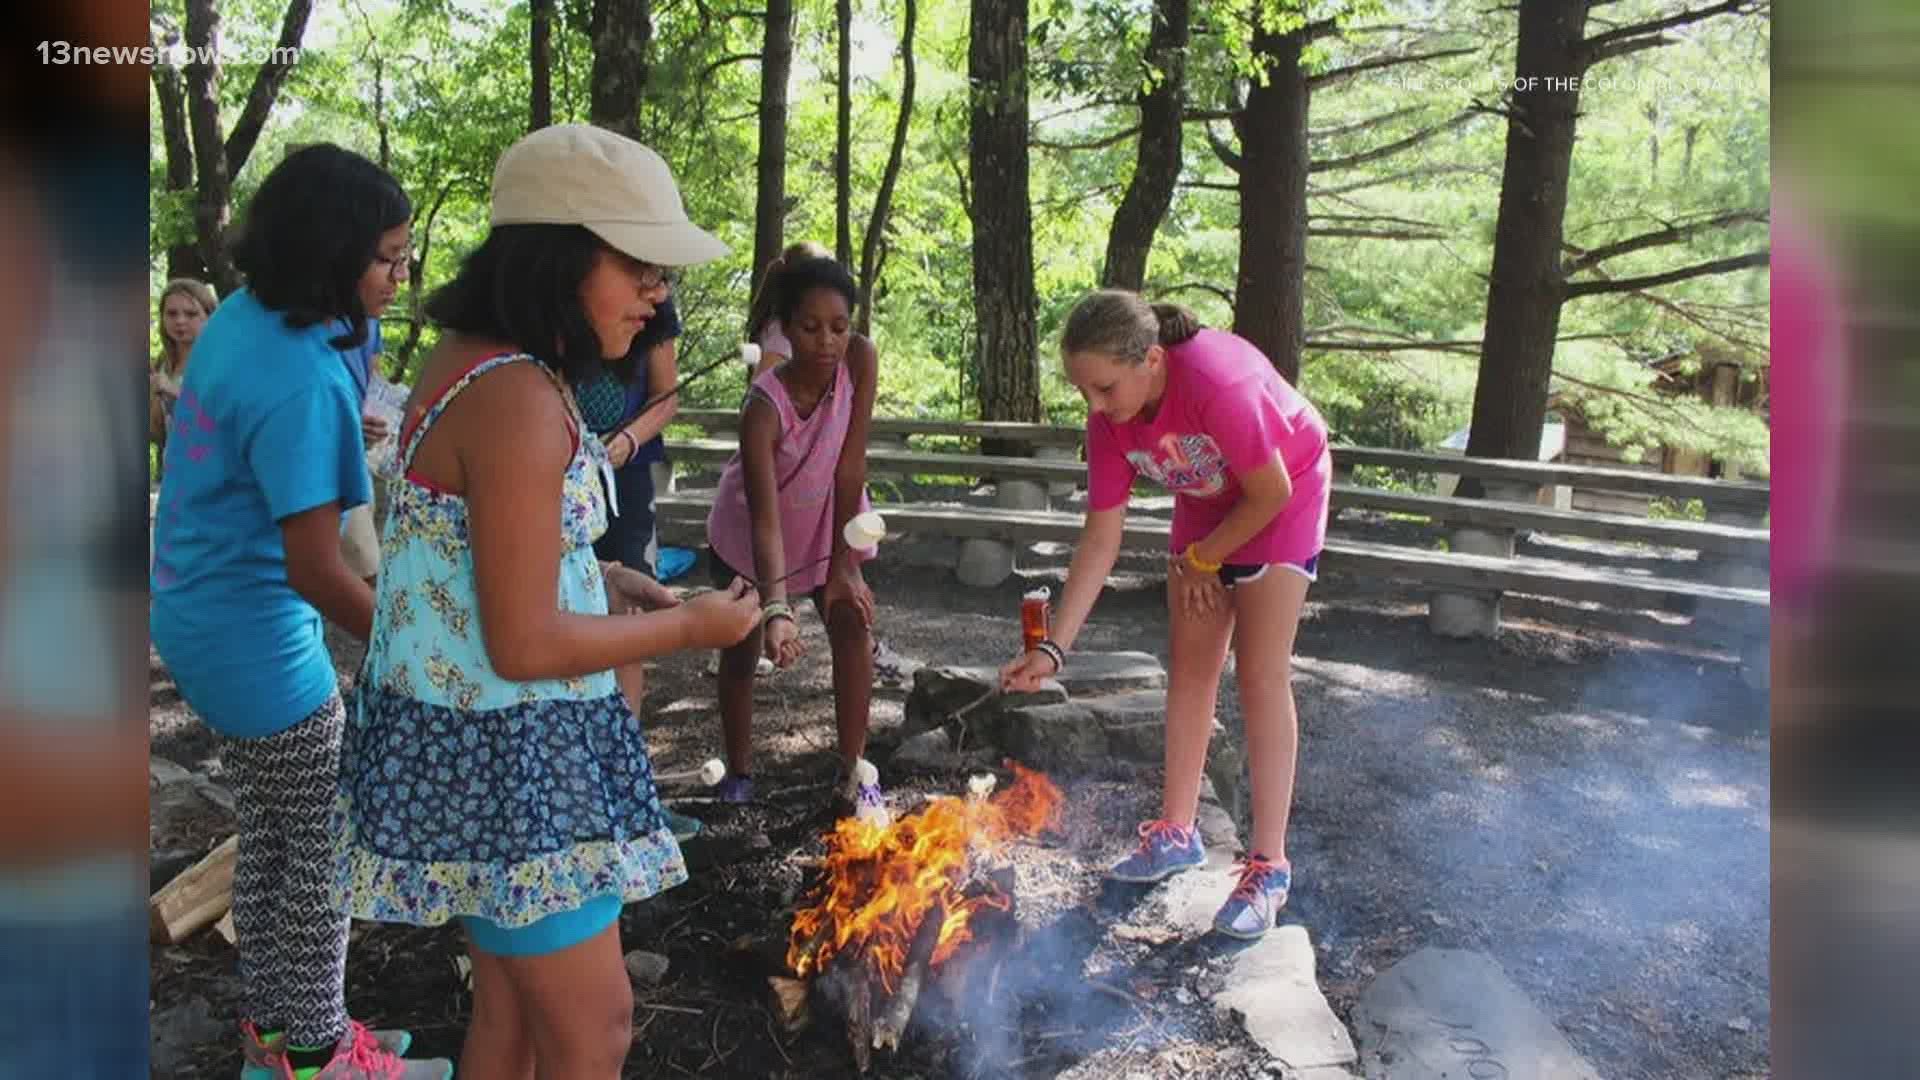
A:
{"x":213,"y":184}
{"x":1527,"y":286}
{"x":540,"y":58}
{"x":1269,"y":306}
{"x":183,"y":259}
{"x":843,"y":138}
{"x":621,"y":32}
{"x":1157,"y":168}
{"x":770,"y":204}
{"x":1005,"y":340}
{"x":883,"y":201}
{"x":217,"y":158}
{"x":267,"y":84}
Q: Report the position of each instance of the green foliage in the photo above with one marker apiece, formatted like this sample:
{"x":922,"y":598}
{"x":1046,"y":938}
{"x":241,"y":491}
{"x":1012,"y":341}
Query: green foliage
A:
{"x":1670,"y":135}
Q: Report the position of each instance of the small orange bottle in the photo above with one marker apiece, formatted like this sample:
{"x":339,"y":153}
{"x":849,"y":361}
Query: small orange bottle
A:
{"x":1036,"y":619}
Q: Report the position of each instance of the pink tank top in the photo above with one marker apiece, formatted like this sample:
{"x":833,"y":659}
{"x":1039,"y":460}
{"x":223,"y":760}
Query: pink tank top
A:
{"x":805,"y":455}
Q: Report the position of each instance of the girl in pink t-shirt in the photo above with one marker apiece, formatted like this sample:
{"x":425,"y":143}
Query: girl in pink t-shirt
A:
{"x":1204,"y":414}
{"x":783,"y":505}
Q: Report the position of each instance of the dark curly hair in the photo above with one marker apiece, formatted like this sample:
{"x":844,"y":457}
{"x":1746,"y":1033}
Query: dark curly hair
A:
{"x":803,"y":276}
{"x":312,"y":230}
{"x":522,"y":285}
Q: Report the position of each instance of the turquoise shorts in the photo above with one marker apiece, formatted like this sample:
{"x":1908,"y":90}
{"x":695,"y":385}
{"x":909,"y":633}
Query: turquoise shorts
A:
{"x":562,"y":930}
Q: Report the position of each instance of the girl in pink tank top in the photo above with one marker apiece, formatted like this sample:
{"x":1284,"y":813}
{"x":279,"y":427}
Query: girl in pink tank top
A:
{"x":800,"y":475}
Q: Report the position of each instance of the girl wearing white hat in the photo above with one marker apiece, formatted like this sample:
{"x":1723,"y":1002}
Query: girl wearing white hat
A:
{"x":494,"y":773}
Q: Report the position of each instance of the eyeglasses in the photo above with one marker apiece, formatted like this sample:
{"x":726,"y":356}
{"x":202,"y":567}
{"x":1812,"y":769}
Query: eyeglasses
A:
{"x":396,"y":265}
{"x":655,"y":277}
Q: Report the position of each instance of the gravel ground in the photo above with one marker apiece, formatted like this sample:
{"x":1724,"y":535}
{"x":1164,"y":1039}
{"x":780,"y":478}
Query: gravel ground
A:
{"x":1590,"y":809}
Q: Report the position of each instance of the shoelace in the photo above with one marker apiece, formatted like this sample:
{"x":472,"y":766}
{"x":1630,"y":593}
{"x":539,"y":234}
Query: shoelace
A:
{"x":367,"y":1053}
{"x":1165,"y":831}
{"x":1254,"y":872}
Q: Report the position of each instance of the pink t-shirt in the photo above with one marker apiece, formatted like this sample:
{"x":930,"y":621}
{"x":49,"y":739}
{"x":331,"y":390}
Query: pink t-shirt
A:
{"x":1226,"y":412}
{"x":1806,"y":391}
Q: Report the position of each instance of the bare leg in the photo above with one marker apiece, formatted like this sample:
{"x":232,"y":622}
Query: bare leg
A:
{"x":580,"y":1006}
{"x":1268,"y":613}
{"x":852,"y":646}
{"x":499,"y":1043}
{"x":1199,"y":651}
{"x":737,"y":672}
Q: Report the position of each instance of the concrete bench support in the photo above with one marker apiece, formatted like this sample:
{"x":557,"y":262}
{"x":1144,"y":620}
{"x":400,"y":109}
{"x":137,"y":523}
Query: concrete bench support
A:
{"x":985,"y":562}
{"x":1476,"y":613}
{"x":1059,"y":489}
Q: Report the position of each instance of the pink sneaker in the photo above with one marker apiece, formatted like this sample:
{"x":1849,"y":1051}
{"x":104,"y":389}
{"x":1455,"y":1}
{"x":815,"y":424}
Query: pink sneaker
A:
{"x":260,"y":1058}
{"x":359,"y":1056}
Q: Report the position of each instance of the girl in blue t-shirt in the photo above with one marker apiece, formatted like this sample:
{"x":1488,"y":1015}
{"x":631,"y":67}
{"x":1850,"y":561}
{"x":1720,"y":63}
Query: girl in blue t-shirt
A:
{"x":266,"y":457}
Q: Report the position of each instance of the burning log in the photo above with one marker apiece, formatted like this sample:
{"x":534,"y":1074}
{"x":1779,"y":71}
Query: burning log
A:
{"x":893,"y":1019}
{"x":900,"y":902}
{"x":860,"y":1016}
{"x":789,"y":1003}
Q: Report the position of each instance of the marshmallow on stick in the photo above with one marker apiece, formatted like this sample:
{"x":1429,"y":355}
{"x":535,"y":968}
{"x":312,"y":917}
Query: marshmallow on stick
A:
{"x":708,"y":775}
{"x":865,"y":530}
{"x":750,"y":355}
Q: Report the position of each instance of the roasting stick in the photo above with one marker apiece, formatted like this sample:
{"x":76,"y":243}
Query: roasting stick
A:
{"x":862,"y":531}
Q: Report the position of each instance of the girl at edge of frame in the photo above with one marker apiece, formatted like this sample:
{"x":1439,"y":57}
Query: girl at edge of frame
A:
{"x":264,"y":461}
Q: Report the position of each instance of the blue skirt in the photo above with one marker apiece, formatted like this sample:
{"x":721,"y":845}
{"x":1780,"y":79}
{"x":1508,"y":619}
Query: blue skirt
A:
{"x":505,"y":815}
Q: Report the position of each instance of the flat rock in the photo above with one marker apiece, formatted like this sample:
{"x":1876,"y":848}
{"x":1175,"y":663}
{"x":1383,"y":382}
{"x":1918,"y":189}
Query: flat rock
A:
{"x":1272,"y":990}
{"x":1065,"y":736}
{"x":1451,"y":1013}
{"x":939,"y":692}
{"x":930,"y":750}
{"x":646,"y":968}
{"x":161,"y":772}
{"x":1188,"y":901}
{"x":1090,"y":673}
{"x":1217,"y":830}
{"x":1078,"y":734}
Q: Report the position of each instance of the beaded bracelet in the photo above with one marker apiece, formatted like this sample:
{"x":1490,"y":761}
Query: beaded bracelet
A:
{"x":1054,"y":653}
{"x":779,"y":609}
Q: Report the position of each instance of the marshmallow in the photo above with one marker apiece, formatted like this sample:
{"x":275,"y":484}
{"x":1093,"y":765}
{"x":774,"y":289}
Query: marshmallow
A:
{"x":865,"y":530}
{"x":750,"y":355}
{"x":981,"y":785}
{"x":712,"y":772}
{"x":865,"y":774}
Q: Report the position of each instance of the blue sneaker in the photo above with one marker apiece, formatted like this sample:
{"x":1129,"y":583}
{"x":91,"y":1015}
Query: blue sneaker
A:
{"x":734,"y":789}
{"x":1165,"y":850}
{"x":1249,"y":912}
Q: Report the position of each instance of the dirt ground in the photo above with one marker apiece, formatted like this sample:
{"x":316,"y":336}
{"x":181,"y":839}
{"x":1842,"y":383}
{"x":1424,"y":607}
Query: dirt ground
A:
{"x":1590,"y":810}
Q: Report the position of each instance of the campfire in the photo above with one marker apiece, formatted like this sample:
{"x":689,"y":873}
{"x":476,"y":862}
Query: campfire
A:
{"x":929,"y":897}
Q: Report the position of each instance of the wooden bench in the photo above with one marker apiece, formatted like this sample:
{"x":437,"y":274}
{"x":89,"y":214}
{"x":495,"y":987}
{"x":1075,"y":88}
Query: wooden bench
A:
{"x":1736,"y":496}
{"x":1705,"y":537}
{"x":1439,"y":568}
{"x":1467,"y":581}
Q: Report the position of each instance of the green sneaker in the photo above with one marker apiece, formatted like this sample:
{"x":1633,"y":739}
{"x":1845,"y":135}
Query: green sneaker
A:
{"x":684,"y":828}
{"x":265,"y":1059}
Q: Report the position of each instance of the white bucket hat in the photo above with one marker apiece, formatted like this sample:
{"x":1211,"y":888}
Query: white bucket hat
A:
{"x":579,"y":174}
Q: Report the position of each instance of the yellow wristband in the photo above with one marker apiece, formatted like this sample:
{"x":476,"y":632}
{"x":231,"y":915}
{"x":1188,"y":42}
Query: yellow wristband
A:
{"x":1193,"y":560}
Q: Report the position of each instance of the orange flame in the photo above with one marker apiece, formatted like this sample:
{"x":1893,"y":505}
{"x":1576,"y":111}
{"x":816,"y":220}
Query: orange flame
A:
{"x":881,"y":883}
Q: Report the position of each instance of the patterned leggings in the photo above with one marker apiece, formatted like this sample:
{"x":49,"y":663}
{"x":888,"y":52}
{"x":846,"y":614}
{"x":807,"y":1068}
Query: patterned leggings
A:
{"x":293,"y":944}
